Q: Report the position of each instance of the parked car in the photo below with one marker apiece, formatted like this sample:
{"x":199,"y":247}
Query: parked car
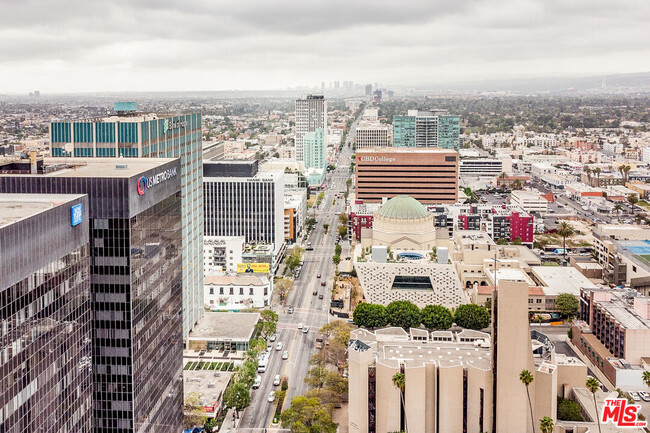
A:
{"x":320,"y":296}
{"x":285,"y":354}
{"x":269,"y":347}
{"x":278,"y":346}
{"x":290,"y":310}
{"x":271,"y":397}
{"x":276,"y":380}
{"x":634,"y":395}
{"x":273,"y":337}
{"x":315,"y":292}
{"x":644,"y":396}
{"x":258,"y":382}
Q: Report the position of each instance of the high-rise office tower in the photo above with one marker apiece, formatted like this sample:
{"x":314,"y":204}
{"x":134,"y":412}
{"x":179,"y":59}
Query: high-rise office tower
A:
{"x":314,"y":148}
{"x":134,"y":226}
{"x":46,"y":381}
{"x":130,"y":134}
{"x":368,"y":89}
{"x":311,"y":114}
{"x":239,"y":201}
{"x":426,"y":129}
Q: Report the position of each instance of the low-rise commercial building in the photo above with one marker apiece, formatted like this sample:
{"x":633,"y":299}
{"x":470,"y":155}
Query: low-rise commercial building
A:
{"x":223,"y":331}
{"x":237,"y":292}
{"x":529,"y":201}
{"x":222,"y":253}
{"x":373,"y":134}
{"x":481,"y":167}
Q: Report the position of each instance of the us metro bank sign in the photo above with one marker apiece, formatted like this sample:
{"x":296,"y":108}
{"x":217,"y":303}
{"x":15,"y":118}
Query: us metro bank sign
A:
{"x":144,"y":183}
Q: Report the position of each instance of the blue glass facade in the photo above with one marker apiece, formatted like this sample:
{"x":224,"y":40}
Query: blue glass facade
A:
{"x":448,"y":132}
{"x":149,"y":136}
{"x":404,"y":131}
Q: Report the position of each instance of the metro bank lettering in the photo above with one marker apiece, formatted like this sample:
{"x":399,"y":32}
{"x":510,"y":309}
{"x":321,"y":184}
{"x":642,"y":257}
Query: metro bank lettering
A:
{"x":147,"y":182}
{"x":376,"y":159}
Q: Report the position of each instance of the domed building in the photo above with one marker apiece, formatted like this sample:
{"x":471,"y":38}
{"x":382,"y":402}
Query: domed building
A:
{"x":404,"y":223}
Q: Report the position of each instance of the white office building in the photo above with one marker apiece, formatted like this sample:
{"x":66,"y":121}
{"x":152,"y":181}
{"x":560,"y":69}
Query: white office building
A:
{"x":311,"y":114}
{"x":221,"y":254}
{"x":374,"y":134}
{"x":529,"y":201}
{"x":481,"y":167}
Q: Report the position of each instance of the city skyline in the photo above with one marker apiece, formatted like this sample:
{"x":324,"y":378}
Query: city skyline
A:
{"x":66,"y":47}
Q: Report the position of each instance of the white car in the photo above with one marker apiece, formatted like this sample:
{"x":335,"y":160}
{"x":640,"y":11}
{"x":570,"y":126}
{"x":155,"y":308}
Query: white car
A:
{"x":276,"y":380}
{"x":299,"y":325}
{"x":634,"y":395}
{"x":258,"y":382}
{"x":644,"y":396}
{"x":305,"y":329}
{"x":269,"y":347}
{"x":273,"y":337}
{"x":271,"y":397}
{"x":285,"y":354}
{"x":278,"y":346}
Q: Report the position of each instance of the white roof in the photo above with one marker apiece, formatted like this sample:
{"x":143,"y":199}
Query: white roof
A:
{"x":561,"y":279}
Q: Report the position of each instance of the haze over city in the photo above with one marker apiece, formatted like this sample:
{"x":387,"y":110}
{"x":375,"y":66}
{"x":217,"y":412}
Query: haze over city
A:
{"x":71,"y":46}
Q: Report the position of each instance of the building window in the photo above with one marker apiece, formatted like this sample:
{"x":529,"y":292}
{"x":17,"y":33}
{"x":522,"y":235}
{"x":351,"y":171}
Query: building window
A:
{"x":221,"y":290}
{"x":232,"y":291}
{"x":212,"y":290}
{"x":530,"y":301}
{"x":250,"y":291}
{"x":539,"y":301}
{"x":241,"y":290}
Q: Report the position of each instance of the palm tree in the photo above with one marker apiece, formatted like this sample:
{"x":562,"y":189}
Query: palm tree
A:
{"x":617,"y":208}
{"x":646,"y":377}
{"x":587,"y":170}
{"x":527,"y":378}
{"x":399,"y":382}
{"x":593,"y":385}
{"x":566,"y":231}
{"x":516,"y":184}
{"x":626,"y":172}
{"x":546,"y":425}
{"x":597,"y":171}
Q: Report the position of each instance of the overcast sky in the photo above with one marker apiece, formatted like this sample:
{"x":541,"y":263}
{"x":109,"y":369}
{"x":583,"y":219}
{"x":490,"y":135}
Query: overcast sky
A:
{"x":117,"y":45}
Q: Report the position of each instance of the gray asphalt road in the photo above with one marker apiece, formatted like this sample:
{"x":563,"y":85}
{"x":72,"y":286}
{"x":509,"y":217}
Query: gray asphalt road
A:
{"x":308,"y":309}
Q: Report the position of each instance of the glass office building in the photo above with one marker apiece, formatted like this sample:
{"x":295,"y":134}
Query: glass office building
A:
{"x":314,"y":148}
{"x":45,"y":353}
{"x":135,"y":135}
{"x":134,"y":228}
{"x":426,"y":129}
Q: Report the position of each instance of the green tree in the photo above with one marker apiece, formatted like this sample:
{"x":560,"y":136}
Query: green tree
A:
{"x":308,"y":415}
{"x":568,"y":410}
{"x":370,"y":315}
{"x":517,"y":241}
{"x":348,"y":183}
{"x":593,"y":385}
{"x":342,"y":231}
{"x":343,"y":219}
{"x":526,"y":378}
{"x":338,"y":249}
{"x":436,"y":317}
{"x":404,"y":314}
{"x":633,"y":199}
{"x":546,"y":425}
{"x":210,"y":424}
{"x":237,"y":396}
{"x":472,"y":316}
{"x":282,"y":286}
{"x":247,"y":372}
{"x":336,"y":259}
{"x":567,"y":304}
{"x":646,"y":377}
{"x":399,"y":382}
{"x":267,"y":324}
{"x":326,"y":227}
{"x":293,"y":260}
{"x":565,"y":231}
{"x":194,"y":414}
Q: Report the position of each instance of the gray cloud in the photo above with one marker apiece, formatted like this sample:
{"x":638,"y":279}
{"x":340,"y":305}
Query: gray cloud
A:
{"x":76,"y":45}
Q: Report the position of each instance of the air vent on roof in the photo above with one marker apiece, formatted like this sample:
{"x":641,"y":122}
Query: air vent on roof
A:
{"x":119,"y":166}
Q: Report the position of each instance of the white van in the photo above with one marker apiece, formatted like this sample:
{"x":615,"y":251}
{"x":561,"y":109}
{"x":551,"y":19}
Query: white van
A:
{"x":263,"y":363}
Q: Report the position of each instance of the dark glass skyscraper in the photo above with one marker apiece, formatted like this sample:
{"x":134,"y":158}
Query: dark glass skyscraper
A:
{"x":136,"y":275}
{"x":45,"y":352}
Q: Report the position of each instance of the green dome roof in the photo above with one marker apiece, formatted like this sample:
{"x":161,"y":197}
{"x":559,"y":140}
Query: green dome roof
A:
{"x":403,"y":207}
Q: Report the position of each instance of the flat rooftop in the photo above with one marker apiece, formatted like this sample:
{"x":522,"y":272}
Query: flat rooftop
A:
{"x":102,"y":167}
{"x":561,"y":279}
{"x":222,"y":326}
{"x":405,"y":150}
{"x":208,"y":383}
{"x":238,"y":280}
{"x":467,"y":237}
{"x":16,"y":207}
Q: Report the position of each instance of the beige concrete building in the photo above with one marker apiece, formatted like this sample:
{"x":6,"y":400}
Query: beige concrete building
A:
{"x":529,"y":201}
{"x":458,"y":381}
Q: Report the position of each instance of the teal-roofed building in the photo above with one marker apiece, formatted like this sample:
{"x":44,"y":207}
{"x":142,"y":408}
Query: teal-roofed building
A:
{"x":130,"y":134}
